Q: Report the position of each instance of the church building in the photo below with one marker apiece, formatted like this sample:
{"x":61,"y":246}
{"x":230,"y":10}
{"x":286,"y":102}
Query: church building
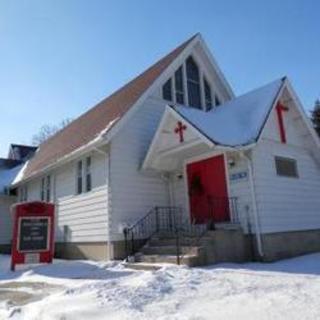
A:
{"x":174,"y":150}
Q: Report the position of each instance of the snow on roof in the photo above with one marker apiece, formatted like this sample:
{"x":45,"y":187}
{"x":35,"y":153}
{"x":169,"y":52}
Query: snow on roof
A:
{"x":238,"y":121}
{"x":7,"y":176}
{"x":85,"y":129}
{"x":18,"y":177}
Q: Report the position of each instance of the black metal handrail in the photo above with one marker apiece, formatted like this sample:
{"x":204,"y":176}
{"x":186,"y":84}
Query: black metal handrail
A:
{"x":188,"y":235}
{"x":158,"y":219}
{"x":173,"y":223}
{"x":223,"y":205}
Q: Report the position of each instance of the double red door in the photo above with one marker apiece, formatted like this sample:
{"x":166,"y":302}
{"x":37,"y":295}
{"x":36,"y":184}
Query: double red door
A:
{"x":207,"y":187}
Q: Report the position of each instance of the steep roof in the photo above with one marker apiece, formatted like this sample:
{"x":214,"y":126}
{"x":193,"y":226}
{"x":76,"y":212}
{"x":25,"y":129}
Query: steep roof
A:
{"x":21,"y":151}
{"x":239,"y":121}
{"x":99,"y":119}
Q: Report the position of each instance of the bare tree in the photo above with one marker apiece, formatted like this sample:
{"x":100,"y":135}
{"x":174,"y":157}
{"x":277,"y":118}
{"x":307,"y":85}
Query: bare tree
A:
{"x":47,"y":131}
{"x":315,"y":116}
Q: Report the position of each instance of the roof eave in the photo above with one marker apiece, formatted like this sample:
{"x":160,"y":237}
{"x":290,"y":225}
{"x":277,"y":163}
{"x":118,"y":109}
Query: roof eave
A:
{"x":94,"y":144}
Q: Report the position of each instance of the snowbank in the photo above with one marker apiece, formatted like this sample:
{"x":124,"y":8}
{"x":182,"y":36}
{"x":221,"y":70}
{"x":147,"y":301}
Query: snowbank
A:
{"x":283,"y":290}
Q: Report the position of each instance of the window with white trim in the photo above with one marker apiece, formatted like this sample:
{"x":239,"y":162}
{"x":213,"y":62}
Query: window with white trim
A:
{"x":186,"y":86}
{"x":42,"y":189}
{"x":45,"y":193}
{"x":193,"y":83}
{"x":178,"y":81}
{"x":167,"y":90}
{"x":23,"y":193}
{"x":286,"y":167}
{"x":207,"y":95}
{"x":216,"y":100}
{"x":88,"y":174}
{"x":84,"y":177}
{"x":79,"y":177}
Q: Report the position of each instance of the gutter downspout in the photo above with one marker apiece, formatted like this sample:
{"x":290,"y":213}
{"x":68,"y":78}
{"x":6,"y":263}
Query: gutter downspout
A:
{"x":108,"y":159}
{"x":254,"y":206}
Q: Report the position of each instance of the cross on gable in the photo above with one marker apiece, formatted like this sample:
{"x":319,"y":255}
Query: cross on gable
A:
{"x":179,"y":130}
{"x":280,"y":110}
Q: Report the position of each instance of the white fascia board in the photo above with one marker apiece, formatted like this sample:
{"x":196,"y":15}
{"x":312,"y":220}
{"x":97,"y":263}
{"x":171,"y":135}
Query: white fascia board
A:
{"x":302,"y":112}
{"x":106,"y":138}
{"x":270,"y":111}
{"x":166,"y":73}
{"x":217,"y":68}
{"x":69,"y":157}
{"x":170,"y":111}
{"x":194,"y":129}
{"x":155,"y":138}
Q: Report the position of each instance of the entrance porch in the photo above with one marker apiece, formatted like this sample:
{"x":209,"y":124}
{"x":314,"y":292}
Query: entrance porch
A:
{"x":211,"y":183}
{"x":207,"y":219}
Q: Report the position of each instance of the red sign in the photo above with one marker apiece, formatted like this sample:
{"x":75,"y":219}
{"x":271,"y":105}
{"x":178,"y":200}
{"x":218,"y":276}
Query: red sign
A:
{"x":33,"y":233}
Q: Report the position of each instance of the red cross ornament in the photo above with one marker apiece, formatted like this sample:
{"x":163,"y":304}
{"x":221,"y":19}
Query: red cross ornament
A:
{"x":179,"y":130}
{"x":280,"y":110}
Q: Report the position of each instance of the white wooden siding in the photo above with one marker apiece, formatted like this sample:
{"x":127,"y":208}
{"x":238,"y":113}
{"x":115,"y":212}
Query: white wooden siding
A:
{"x":287,"y":204}
{"x":6,"y":219}
{"x":240,"y":189}
{"x":85,"y":215}
{"x":135,"y":192}
{"x":179,"y":192}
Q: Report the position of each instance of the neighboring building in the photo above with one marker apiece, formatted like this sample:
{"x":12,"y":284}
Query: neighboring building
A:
{"x":21,"y":152}
{"x":9,"y":169}
{"x":176,"y":136}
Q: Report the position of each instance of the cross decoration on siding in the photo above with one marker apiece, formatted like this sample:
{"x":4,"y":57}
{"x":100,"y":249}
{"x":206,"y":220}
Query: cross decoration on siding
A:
{"x":280,"y":110}
{"x":179,"y":130}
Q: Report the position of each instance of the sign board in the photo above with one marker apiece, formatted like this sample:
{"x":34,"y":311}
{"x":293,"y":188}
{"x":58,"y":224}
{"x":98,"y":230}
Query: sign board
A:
{"x":33,"y":233}
{"x":238,"y":176}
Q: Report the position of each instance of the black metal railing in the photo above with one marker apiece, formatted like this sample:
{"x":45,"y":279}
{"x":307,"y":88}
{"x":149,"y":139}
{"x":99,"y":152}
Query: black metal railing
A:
{"x":158,"y":219}
{"x":223,"y":209}
{"x":171,"y":222}
{"x":188,"y":235}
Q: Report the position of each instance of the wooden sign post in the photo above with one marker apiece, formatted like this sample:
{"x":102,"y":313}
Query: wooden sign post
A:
{"x":33,"y":233}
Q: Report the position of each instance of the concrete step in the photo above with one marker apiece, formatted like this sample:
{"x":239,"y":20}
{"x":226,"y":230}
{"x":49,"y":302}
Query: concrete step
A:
{"x":156,"y":242}
{"x":189,"y":260}
{"x":169,"y":249}
{"x":142,"y":266}
{"x":228,"y":226}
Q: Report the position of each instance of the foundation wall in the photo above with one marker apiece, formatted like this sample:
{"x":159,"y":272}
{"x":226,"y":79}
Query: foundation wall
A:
{"x":89,"y":250}
{"x":284,"y":245}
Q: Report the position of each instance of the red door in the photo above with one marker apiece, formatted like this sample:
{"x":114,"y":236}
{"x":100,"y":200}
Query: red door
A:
{"x":208,"y":196}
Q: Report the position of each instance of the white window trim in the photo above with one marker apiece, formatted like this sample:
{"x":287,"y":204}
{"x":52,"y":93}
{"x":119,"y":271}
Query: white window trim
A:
{"x":297,"y":176}
{"x":83,"y":175}
{"x":202,"y":76}
{"x":23,"y":193}
{"x":46,"y":189}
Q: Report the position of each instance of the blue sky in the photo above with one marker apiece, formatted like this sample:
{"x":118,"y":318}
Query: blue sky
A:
{"x":60,"y":57}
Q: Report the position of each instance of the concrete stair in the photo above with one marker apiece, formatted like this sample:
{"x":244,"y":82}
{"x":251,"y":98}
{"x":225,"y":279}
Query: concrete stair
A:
{"x":163,"y":249}
{"x":224,"y":244}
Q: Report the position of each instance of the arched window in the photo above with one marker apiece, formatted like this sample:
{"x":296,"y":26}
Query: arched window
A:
{"x":193,"y":83}
{"x":207,"y":94}
{"x":178,"y":80}
{"x":217,"y":101}
{"x":166,"y":91}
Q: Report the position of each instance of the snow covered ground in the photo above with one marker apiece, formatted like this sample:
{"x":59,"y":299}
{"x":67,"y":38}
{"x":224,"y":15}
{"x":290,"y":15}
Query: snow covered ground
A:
{"x":79,"y":290}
